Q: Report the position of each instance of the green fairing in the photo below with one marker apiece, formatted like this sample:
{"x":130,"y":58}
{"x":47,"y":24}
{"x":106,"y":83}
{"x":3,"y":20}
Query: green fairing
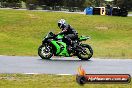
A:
{"x":64,"y":52}
{"x":56,"y":45}
{"x":83,"y":38}
{"x":60,"y":36}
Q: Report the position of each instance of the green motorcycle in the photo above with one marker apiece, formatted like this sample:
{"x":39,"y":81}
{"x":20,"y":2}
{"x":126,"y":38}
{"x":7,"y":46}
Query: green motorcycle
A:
{"x":55,"y":45}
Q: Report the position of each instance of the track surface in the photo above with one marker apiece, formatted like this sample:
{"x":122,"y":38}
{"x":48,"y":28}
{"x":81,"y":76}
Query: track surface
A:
{"x":17,"y":64}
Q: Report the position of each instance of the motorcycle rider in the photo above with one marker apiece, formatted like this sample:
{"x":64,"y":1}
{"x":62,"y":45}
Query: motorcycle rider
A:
{"x":69,"y":33}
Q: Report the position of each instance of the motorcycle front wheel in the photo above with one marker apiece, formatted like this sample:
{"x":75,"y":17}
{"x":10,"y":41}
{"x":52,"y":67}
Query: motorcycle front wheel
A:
{"x":45,"y":51}
{"x":86,"y":53}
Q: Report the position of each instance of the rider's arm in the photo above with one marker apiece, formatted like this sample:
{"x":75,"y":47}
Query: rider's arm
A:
{"x":63,"y":31}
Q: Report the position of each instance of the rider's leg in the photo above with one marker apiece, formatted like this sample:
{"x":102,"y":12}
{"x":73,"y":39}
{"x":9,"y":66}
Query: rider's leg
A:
{"x":71,"y":43}
{"x":68,"y":41}
{"x":69,"y":38}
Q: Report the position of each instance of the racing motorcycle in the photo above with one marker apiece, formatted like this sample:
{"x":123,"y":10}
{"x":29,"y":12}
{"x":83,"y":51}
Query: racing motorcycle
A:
{"x":54,"y":45}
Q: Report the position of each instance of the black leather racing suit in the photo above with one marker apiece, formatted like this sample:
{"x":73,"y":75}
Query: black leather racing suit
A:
{"x":69,"y":34}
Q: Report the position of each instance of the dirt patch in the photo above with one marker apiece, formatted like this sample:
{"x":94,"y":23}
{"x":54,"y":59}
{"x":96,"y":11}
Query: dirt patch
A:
{"x":8,"y":78}
{"x":103,"y":27}
{"x":33,"y":16}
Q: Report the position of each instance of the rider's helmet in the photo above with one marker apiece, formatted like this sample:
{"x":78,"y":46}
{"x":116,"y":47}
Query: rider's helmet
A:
{"x":61,"y":23}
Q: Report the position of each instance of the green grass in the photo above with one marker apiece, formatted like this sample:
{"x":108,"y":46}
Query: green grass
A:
{"x":21,"y":32}
{"x":130,"y":12}
{"x":49,"y":81}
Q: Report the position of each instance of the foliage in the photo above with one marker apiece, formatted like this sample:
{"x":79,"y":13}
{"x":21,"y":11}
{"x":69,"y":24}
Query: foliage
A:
{"x":74,"y":3}
{"x":123,"y":3}
{"x":11,"y":3}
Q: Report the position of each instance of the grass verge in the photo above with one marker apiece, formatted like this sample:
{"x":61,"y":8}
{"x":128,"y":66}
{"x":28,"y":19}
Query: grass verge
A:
{"x":49,"y":81}
{"x":130,"y":12}
{"x":21,"y":32}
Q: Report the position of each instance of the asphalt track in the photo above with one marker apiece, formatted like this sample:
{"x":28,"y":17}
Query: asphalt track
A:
{"x":35,"y":65}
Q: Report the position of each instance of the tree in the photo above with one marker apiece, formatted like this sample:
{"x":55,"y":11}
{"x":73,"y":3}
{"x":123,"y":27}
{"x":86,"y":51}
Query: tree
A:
{"x":81,"y":3}
{"x":30,"y":1}
{"x":74,"y":3}
{"x":123,"y":3}
{"x":95,"y":3}
{"x":11,"y":3}
{"x":89,"y":3}
{"x":51,"y":3}
{"x":129,"y":4}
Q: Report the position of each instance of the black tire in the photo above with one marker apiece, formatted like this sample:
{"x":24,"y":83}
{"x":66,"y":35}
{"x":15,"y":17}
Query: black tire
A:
{"x":41,"y":52}
{"x":90,"y":54}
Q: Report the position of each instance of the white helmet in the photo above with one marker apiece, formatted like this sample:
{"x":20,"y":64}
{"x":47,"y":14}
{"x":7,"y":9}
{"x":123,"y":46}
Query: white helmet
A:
{"x":61,"y":23}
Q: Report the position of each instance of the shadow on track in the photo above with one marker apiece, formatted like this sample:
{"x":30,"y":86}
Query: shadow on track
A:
{"x":64,"y":60}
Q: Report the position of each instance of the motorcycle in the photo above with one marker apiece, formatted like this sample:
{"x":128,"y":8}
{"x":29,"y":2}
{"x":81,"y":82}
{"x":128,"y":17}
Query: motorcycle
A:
{"x":55,"y":45}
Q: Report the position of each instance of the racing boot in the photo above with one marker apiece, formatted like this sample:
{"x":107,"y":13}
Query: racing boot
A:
{"x":69,"y":48}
